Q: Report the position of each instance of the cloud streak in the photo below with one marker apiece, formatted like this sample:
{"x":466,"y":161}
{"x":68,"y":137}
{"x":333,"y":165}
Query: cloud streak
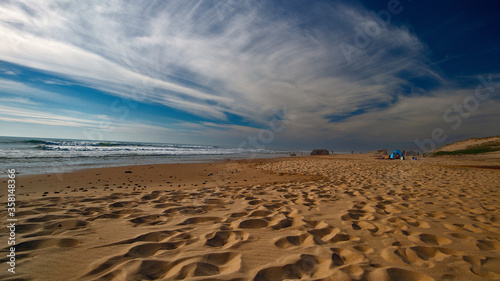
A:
{"x":217,"y":60}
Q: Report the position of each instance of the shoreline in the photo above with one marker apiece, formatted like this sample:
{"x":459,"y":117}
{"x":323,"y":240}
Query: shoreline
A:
{"x":64,"y":167}
{"x":156,"y":176}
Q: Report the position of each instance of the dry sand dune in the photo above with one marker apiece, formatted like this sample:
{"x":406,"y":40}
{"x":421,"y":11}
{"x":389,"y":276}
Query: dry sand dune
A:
{"x":470,"y":143}
{"x":349,"y":218}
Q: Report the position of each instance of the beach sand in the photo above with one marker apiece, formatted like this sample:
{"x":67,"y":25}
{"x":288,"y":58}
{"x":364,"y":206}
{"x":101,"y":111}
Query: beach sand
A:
{"x":340,"y":217}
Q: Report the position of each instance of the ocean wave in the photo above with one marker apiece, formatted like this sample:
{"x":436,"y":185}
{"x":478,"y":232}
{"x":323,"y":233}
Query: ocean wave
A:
{"x":53,"y":148}
{"x":34,"y":141}
{"x":102,"y":151}
{"x":78,"y":143}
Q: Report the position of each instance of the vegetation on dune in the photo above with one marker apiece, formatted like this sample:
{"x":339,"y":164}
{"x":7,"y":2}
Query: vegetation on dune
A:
{"x":475,"y":149}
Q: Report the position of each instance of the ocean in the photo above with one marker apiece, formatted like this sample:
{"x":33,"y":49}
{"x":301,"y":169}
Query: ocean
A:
{"x":40,"y":155}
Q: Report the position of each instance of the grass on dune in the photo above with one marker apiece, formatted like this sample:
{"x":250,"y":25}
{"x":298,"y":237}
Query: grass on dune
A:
{"x":476,"y":149}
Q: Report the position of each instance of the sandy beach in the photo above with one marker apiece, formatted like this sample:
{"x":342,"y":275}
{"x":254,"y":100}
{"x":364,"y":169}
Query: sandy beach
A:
{"x":249,"y":140}
{"x":339,"y":217}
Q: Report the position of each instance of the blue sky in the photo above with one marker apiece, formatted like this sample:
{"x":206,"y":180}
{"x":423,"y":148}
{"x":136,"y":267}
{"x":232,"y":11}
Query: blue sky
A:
{"x":343,"y":74}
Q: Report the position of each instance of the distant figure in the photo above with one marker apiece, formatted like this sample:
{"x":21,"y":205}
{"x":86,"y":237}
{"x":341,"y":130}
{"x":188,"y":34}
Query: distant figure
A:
{"x":352,"y":151}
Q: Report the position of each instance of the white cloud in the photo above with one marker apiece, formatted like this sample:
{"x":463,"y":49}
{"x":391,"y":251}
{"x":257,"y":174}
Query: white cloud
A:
{"x":100,"y":126}
{"x":239,"y":58}
{"x":24,"y":92}
{"x":43,"y":121}
{"x":256,"y":60}
{"x":41,"y":117}
{"x":18,"y":100}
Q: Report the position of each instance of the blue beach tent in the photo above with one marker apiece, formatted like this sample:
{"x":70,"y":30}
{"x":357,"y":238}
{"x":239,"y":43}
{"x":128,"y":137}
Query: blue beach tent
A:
{"x":396,"y":154}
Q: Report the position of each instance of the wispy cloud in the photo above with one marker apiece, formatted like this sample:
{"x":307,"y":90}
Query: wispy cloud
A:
{"x":18,"y":100}
{"x":77,"y":120}
{"x":16,"y":114}
{"x":21,"y":91}
{"x":222,"y":59}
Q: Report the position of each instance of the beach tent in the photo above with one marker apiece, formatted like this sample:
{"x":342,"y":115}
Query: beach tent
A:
{"x":396,"y":154}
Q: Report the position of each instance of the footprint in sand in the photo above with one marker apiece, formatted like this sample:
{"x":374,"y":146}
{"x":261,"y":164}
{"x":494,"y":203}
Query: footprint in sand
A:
{"x":316,"y":224}
{"x":416,"y":223}
{"x":157,"y":236}
{"x":418,"y":255}
{"x":274,"y":206}
{"x":363,"y":225}
{"x":226,"y":238}
{"x":396,"y":274}
{"x":324,"y":233}
{"x":160,"y":204}
{"x":253,"y":223}
{"x":49,"y":218}
{"x":342,"y":237}
{"x":149,"y":220}
{"x":341,"y":257}
{"x":123,"y":204}
{"x":151,"y":249}
{"x":364,"y":249}
{"x":48,"y":209}
{"x":45,"y":243}
{"x":434,"y":239}
{"x":461,"y":236}
{"x":259,"y":213}
{"x":147,"y":270}
{"x":238,"y":215}
{"x":196,"y":220}
{"x":208,"y":265}
{"x":90,"y":211}
{"x":484,"y":267}
{"x":60,"y":227}
{"x":121,"y":213}
{"x":284,"y":223}
{"x":488,"y":245}
{"x":404,"y":223}
{"x":356,"y":214}
{"x":491,"y":264}
{"x":27,"y":213}
{"x":187,"y":210}
{"x":306,"y":268}
{"x":297,"y":240}
{"x":27,"y":228}
{"x":462,"y":227}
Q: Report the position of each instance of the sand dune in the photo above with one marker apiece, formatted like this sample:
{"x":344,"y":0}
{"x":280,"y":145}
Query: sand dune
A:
{"x":468,"y":143}
{"x":349,"y":218}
